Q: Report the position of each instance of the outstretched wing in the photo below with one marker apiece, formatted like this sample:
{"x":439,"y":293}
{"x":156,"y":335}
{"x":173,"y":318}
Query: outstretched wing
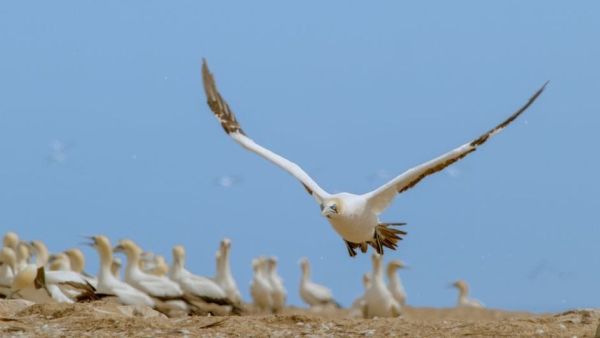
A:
{"x":380,"y":198}
{"x":231,"y":126}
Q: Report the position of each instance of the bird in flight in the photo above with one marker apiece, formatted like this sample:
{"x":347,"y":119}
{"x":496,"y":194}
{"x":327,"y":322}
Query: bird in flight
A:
{"x":354,"y":217}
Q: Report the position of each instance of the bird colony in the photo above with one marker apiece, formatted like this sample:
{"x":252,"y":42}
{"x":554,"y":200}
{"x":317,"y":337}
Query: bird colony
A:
{"x":28,"y":271}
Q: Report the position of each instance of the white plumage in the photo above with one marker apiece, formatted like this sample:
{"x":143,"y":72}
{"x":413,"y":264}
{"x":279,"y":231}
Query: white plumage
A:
{"x":463,"y":295}
{"x":260,"y":288}
{"x":224,"y":277}
{"x":394,"y":283}
{"x":379,"y":302}
{"x":354,"y":217}
{"x":278,"y":291}
{"x":312,"y":293}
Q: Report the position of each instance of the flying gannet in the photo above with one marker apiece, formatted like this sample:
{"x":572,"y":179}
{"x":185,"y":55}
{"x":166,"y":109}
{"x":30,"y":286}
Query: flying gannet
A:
{"x":260,"y":288}
{"x":379,"y":301}
{"x":463,"y":295}
{"x":354,"y":217}
{"x":224,"y":277}
{"x":278,"y":291}
{"x":394,"y":283}
{"x":108,"y":284}
{"x":312,"y":293}
{"x":196,"y":287}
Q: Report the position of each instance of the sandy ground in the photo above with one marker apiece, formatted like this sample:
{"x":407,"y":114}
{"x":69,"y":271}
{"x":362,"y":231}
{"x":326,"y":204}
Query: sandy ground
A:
{"x":106,"y":318}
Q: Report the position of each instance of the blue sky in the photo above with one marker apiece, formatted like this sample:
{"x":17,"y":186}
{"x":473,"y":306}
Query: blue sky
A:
{"x":104,"y":129}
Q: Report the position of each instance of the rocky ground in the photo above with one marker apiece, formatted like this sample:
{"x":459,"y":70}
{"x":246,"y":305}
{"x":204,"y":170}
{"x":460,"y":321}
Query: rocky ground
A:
{"x":106,"y":318}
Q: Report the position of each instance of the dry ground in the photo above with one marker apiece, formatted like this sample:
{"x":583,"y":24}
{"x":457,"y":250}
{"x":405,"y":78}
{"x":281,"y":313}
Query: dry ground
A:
{"x":107,"y":318}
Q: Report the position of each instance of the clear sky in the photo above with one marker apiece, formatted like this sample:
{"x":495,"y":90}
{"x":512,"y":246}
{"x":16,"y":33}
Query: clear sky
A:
{"x":104,"y":129}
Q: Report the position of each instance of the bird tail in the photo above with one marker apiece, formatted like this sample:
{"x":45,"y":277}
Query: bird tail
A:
{"x":387,"y":236}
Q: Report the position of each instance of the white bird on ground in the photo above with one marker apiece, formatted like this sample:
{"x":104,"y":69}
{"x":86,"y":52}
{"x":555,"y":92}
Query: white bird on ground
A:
{"x":312,"y":293}
{"x":110,"y":285}
{"x":10,"y":240}
{"x":59,"y":262}
{"x":22,"y":252}
{"x":224,"y":277}
{"x":77,"y":263}
{"x":39,"y":249}
{"x":8,"y":261}
{"x":41,"y":286}
{"x":463,"y":295}
{"x":354,"y":217}
{"x":159,"y":287}
{"x":395,"y":283}
{"x":260,"y":288}
{"x":196,"y":287}
{"x":278,"y":291}
{"x":359,"y":305}
{"x":115,"y":267}
{"x":379,"y":301}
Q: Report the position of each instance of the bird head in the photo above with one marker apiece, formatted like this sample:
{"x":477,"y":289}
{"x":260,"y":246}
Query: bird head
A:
{"x":331,"y":208}
{"x":128,"y":247}
{"x":178,"y":253}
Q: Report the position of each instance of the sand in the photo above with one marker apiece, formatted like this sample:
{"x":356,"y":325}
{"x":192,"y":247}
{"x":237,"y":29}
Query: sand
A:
{"x":107,"y":318}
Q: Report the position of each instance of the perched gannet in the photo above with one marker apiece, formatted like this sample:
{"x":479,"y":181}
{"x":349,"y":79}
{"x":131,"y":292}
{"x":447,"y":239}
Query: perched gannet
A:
{"x":463,"y":295}
{"x":59,"y":262}
{"x":311,"y":293}
{"x":196,"y":287}
{"x":154,"y":264}
{"x":39,"y":249}
{"x":159,"y":287}
{"x":379,"y":301}
{"x":22,"y":252}
{"x":224,"y":277}
{"x":359,"y":305}
{"x":115,"y":267}
{"x":278,"y":291}
{"x":41,"y":286}
{"x":8,"y":260}
{"x":110,"y":285}
{"x":260,"y":288}
{"x":10,"y":240}
{"x":354,"y":217}
{"x":77,"y":263}
{"x":394,"y":283}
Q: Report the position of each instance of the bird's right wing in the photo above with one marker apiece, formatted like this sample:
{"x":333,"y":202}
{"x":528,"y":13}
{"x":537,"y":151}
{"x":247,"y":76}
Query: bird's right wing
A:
{"x":231,"y":126}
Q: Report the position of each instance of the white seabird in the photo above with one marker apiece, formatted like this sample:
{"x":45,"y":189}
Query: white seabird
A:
{"x":22,"y":253}
{"x":41,"y":286}
{"x":59,"y":262}
{"x":463,"y":295}
{"x":224,"y":277}
{"x":108,"y":284}
{"x":77,"y":263}
{"x":379,"y":301}
{"x":40,"y":251}
{"x":312,"y":293}
{"x":159,"y":287}
{"x":354,"y":217}
{"x":394,"y":283}
{"x":10,"y":240}
{"x":260,"y":288}
{"x":115,"y":267}
{"x":8,"y":261}
{"x":358,"y":307}
{"x":196,"y":287}
{"x":278,"y":291}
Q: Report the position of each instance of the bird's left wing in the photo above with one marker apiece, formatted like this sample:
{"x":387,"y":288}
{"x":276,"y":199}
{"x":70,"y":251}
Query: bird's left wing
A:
{"x":231,"y":126}
{"x":380,"y":198}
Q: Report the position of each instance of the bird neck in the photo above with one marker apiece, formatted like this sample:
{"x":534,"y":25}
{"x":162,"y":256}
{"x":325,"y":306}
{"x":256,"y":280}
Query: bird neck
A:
{"x":41,"y":257}
{"x":393,"y":276}
{"x":305,"y":274}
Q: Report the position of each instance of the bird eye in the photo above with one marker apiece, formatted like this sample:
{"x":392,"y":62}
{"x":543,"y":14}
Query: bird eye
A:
{"x":334,"y":207}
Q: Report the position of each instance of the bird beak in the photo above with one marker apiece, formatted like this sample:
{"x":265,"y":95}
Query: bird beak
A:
{"x":91,"y":243}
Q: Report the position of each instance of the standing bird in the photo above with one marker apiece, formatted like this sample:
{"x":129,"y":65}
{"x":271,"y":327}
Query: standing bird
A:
{"x":224,"y":277}
{"x":463,"y":295}
{"x":394,"y":283}
{"x":10,"y":240}
{"x":260,"y":288}
{"x":354,"y":217}
{"x":41,"y":286}
{"x":278,"y":291}
{"x":196,"y":287}
{"x":8,"y":260}
{"x":40,"y":250}
{"x":110,"y":285}
{"x":312,"y":293}
{"x":379,"y":301}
